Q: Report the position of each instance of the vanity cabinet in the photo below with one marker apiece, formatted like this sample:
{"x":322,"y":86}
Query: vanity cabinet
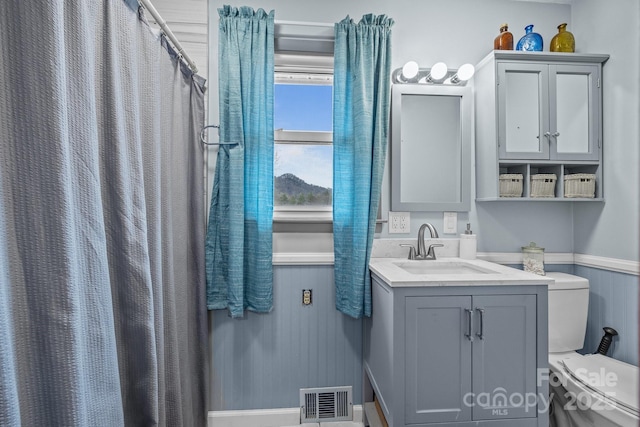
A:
{"x":538,"y":113}
{"x":465,"y":351}
{"x":459,"y":356}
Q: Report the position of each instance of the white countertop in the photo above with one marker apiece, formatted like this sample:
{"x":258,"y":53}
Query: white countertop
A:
{"x":389,"y":270}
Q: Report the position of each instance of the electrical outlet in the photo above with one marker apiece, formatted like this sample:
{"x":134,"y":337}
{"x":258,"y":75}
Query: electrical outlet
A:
{"x":450,"y":223}
{"x":399,"y":222}
{"x":306,"y":297}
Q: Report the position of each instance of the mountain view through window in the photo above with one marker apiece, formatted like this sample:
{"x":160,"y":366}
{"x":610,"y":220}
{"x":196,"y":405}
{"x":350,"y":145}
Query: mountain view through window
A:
{"x":303,"y":157}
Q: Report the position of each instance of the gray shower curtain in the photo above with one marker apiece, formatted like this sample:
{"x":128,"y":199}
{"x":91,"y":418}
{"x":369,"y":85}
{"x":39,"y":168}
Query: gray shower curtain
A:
{"x":102,"y":312}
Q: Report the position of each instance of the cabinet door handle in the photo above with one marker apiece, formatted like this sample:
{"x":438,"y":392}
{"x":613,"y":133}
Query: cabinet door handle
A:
{"x":547,"y":134}
{"x":470,"y":324}
{"x":481,"y":333}
{"x":555,"y":134}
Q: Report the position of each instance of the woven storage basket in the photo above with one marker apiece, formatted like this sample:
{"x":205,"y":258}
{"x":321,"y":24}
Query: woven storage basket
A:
{"x":511,"y":185}
{"x":543,"y":185}
{"x":580,"y":185}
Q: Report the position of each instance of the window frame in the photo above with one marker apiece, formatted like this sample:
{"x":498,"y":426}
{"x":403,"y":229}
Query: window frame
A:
{"x":303,"y":76}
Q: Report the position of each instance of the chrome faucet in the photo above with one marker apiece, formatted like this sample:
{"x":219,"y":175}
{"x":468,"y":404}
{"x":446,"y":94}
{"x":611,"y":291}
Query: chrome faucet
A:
{"x":428,"y":253}
{"x":422,"y":253}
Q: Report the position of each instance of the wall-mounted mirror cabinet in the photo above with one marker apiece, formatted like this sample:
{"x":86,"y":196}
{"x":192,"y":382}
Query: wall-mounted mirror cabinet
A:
{"x":548,"y":111}
{"x":431,"y":138}
{"x":538,"y":113}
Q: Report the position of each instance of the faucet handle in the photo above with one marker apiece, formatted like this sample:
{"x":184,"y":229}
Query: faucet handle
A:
{"x":412,"y":250}
{"x":431,"y":254}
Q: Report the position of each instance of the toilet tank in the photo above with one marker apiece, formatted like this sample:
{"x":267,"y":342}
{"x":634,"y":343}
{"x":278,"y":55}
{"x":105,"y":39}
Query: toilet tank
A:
{"x":568,"y":307}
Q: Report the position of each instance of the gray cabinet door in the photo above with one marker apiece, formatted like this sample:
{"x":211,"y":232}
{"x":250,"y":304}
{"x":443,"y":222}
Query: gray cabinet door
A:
{"x":574,"y":112}
{"x":523,"y":111}
{"x":549,"y":112}
{"x":504,"y":357}
{"x":437,"y":359}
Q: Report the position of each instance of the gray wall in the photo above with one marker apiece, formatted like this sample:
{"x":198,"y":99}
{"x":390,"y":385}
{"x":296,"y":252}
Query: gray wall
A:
{"x":263,"y":360}
{"x":613,"y":302}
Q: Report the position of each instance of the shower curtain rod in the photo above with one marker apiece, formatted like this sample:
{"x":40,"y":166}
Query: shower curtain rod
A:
{"x":167,"y":32}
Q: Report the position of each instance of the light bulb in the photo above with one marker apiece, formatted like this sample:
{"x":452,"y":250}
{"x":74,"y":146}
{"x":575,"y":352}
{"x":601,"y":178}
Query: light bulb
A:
{"x":410,"y":70}
{"x":438,"y":72}
{"x":464,"y":73}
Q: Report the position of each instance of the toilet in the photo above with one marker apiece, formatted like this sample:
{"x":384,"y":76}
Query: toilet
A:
{"x":585,"y":390}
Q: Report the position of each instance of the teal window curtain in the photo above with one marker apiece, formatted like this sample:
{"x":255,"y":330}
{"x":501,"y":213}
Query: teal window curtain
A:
{"x":362,"y":59}
{"x":239,"y":234}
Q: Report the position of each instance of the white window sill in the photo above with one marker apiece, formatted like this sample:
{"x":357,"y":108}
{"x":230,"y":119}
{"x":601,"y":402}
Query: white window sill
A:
{"x":300,"y":258}
{"x":303,"y":217}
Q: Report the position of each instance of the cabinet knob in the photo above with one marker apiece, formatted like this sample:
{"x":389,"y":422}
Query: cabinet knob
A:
{"x":555,"y":134}
{"x":547,"y":134}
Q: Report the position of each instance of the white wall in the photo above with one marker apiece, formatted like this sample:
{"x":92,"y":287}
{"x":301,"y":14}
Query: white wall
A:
{"x":187,"y":19}
{"x":430,"y":31}
{"x":611,"y":230}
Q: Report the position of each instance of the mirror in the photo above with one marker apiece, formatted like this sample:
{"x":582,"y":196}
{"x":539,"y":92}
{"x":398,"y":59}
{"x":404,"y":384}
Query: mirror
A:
{"x":430,"y":147}
{"x":572,"y":109}
{"x":522,"y":112}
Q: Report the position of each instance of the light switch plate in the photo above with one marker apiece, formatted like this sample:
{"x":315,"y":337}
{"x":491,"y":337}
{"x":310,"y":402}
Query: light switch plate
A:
{"x":450,"y":223}
{"x":399,"y":222}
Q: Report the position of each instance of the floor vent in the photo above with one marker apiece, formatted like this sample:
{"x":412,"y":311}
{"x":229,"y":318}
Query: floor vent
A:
{"x":326,"y":404}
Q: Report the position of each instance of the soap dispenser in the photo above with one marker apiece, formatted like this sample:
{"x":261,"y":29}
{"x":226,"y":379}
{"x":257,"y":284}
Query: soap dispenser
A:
{"x":468,"y":244}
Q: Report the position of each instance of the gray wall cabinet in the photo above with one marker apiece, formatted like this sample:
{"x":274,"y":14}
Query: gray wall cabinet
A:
{"x":458,"y":356}
{"x":538,"y":113}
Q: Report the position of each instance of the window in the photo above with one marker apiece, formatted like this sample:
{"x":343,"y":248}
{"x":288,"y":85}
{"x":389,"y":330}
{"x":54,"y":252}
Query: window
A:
{"x":303,"y":154}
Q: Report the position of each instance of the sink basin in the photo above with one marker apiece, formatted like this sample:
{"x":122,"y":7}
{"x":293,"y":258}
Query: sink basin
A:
{"x":442,"y":267}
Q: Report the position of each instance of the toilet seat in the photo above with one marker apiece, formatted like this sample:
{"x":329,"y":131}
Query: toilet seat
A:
{"x":582,"y":388}
{"x":613,"y":381}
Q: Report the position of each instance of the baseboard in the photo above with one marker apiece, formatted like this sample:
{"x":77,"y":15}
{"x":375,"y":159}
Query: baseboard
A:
{"x":264,"y":417}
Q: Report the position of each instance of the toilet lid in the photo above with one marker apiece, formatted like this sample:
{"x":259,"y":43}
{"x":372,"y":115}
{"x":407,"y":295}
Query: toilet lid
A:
{"x":613,"y":379}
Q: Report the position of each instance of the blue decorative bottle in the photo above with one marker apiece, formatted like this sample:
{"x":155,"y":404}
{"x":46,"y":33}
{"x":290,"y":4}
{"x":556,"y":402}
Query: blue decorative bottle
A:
{"x":530,"y":41}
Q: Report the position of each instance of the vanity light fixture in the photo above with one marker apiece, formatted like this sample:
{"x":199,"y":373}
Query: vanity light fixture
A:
{"x":438,"y":74}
